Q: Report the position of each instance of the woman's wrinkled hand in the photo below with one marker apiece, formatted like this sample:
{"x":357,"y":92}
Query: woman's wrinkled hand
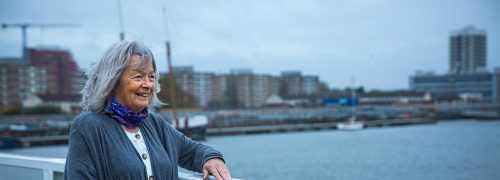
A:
{"x":216,"y":168}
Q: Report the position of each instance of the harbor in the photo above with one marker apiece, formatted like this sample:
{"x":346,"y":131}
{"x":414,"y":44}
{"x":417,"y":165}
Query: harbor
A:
{"x":19,"y":131}
{"x":260,"y":90}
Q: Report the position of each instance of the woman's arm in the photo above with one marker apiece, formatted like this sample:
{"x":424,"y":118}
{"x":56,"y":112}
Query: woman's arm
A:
{"x":199,"y":157}
{"x":192,"y":154}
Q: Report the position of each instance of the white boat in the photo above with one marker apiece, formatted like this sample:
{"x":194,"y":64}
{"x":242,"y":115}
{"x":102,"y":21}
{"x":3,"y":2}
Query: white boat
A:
{"x":351,"y":124}
{"x":192,"y":126}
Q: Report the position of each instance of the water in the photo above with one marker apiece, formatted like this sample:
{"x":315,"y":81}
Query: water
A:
{"x":447,"y":150}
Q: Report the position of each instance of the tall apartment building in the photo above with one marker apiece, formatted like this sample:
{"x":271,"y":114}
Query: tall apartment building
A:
{"x":18,"y":80}
{"x":221,"y":91}
{"x":78,"y":80}
{"x":467,"y":51}
{"x":239,"y":88}
{"x":293,"y":83}
{"x":198,"y":84}
{"x":249,"y":89}
{"x":62,"y":70}
{"x":468,"y":75}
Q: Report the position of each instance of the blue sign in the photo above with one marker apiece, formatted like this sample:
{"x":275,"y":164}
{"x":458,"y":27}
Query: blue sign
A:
{"x":340,"y":101}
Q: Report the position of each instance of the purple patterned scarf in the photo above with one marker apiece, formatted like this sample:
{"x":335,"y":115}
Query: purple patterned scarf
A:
{"x":124,"y":115}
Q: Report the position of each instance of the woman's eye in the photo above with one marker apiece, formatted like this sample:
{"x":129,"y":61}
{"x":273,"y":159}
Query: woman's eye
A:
{"x":137,"y":77}
{"x":152,"y":78}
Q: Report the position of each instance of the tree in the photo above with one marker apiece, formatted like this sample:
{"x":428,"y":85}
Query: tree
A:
{"x":39,"y":109}
{"x":358,"y":90}
{"x":323,"y":87}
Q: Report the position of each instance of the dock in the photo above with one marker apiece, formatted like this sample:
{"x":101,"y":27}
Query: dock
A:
{"x":27,"y":138}
{"x":310,"y":126}
{"x":38,"y":137}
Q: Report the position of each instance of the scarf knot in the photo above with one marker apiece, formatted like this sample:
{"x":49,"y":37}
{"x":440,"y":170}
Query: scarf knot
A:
{"x":124,"y":115}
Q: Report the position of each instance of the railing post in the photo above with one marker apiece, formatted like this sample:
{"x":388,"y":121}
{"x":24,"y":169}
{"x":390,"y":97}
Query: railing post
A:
{"x":48,"y":174}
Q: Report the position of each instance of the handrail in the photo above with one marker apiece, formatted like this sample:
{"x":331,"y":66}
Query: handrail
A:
{"x":15,"y":166}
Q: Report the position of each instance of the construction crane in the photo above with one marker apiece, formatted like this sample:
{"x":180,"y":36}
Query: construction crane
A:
{"x":25,"y":26}
{"x":120,"y":18}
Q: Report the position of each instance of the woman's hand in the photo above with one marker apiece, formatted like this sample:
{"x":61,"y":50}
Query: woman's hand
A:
{"x":217,"y":168}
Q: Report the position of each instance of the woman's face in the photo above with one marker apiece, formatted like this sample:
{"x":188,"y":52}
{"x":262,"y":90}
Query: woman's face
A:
{"x":136,"y":85}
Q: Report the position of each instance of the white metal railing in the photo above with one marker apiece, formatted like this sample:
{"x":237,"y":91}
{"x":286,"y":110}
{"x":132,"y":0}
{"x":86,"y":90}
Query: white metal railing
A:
{"x":14,"y":166}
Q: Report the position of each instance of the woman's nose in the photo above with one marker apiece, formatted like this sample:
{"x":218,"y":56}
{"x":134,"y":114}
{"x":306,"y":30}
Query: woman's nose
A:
{"x":147,"y":84}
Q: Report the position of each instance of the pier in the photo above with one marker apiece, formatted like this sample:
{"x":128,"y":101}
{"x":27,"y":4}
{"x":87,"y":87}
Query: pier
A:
{"x":39,"y":137}
{"x":311,"y":126}
{"x":25,"y":131}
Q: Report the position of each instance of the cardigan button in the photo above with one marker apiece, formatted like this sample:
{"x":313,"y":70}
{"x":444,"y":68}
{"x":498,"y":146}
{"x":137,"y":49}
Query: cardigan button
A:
{"x":137,"y":136}
{"x":144,"y":156}
{"x":151,"y":178}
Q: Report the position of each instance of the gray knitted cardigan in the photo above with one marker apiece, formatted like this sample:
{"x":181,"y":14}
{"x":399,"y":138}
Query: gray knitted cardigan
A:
{"x":100,"y":149}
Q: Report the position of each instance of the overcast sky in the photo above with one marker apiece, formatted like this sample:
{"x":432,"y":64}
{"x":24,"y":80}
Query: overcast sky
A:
{"x":379,"y":42}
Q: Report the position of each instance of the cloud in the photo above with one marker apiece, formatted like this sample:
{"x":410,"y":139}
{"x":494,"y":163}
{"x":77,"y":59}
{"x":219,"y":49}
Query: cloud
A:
{"x":380,"y":42}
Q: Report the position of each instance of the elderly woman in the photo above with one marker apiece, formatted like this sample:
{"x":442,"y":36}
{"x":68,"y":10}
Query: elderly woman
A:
{"x":117,"y":136}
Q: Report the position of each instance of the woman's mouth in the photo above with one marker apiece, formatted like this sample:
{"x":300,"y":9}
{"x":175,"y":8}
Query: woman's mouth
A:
{"x":143,"y":94}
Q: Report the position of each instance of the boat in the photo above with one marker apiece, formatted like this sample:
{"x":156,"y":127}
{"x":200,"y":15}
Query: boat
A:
{"x":194,"y":127}
{"x":351,"y":123}
{"x":7,"y":141}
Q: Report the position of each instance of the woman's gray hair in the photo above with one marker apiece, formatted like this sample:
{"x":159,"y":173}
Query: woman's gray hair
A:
{"x":104,"y":76}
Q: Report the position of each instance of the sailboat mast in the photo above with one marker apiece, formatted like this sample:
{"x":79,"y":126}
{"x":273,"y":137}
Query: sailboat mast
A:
{"x":171,"y":86}
{"x":171,"y":80}
{"x":353,"y":99}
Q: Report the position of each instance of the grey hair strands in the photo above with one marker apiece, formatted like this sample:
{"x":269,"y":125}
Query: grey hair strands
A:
{"x":104,"y":76}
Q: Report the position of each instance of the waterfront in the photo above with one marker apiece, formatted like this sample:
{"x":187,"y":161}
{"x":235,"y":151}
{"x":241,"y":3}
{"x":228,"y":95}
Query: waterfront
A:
{"x":446,"y":150}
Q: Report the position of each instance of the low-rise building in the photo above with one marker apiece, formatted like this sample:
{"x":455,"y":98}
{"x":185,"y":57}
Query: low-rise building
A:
{"x":379,"y":98}
{"x":67,"y":103}
{"x":483,"y":87}
{"x":395,"y":97}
